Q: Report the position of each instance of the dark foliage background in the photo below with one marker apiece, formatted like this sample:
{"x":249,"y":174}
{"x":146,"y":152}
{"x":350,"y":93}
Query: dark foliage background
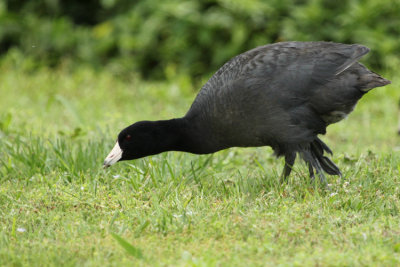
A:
{"x":193,"y":37}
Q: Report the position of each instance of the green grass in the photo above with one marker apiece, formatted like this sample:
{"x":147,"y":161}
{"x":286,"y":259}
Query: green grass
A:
{"x":59,"y":207}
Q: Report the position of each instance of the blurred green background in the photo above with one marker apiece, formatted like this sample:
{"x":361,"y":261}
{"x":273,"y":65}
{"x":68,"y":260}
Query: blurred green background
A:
{"x":157,"y":38}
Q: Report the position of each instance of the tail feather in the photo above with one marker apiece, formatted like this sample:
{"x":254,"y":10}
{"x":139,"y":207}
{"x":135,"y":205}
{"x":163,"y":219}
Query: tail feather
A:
{"x":373,"y":80}
{"x":369,"y":79}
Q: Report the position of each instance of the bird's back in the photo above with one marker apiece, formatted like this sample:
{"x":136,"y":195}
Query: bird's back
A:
{"x":284,"y":93}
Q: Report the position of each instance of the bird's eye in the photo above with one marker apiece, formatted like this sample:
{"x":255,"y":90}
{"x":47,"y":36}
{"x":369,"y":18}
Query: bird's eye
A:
{"x":128,"y":137}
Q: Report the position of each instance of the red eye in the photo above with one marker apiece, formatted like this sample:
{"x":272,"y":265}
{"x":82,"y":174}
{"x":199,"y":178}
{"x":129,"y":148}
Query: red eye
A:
{"x":128,"y":137}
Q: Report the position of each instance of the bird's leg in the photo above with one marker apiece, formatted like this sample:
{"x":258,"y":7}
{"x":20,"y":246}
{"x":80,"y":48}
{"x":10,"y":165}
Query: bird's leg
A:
{"x":289,"y":162}
{"x":322,"y":177}
{"x":311,"y":170}
{"x":318,"y":169}
{"x":320,"y":173}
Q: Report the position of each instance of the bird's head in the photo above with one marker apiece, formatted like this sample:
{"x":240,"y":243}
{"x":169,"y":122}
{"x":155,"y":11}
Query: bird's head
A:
{"x":136,"y":141}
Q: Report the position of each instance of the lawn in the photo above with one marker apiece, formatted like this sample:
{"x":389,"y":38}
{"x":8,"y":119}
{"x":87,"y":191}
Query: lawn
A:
{"x":59,"y":207}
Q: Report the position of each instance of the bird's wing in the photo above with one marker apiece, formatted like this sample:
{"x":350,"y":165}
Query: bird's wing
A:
{"x":291,"y":69}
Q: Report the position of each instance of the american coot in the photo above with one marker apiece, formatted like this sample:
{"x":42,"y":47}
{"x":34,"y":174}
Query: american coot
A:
{"x":280,"y":95}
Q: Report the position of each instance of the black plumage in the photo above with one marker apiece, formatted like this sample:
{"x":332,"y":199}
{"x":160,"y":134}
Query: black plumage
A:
{"x":281,"y":95}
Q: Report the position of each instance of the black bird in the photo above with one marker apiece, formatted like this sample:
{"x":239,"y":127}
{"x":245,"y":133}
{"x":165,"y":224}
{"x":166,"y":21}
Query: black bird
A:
{"x":280,"y":95}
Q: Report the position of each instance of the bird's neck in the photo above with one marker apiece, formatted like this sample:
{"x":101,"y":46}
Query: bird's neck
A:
{"x":184,"y":134}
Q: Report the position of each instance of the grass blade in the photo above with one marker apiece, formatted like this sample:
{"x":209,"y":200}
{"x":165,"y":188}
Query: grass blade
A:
{"x":133,"y":251}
